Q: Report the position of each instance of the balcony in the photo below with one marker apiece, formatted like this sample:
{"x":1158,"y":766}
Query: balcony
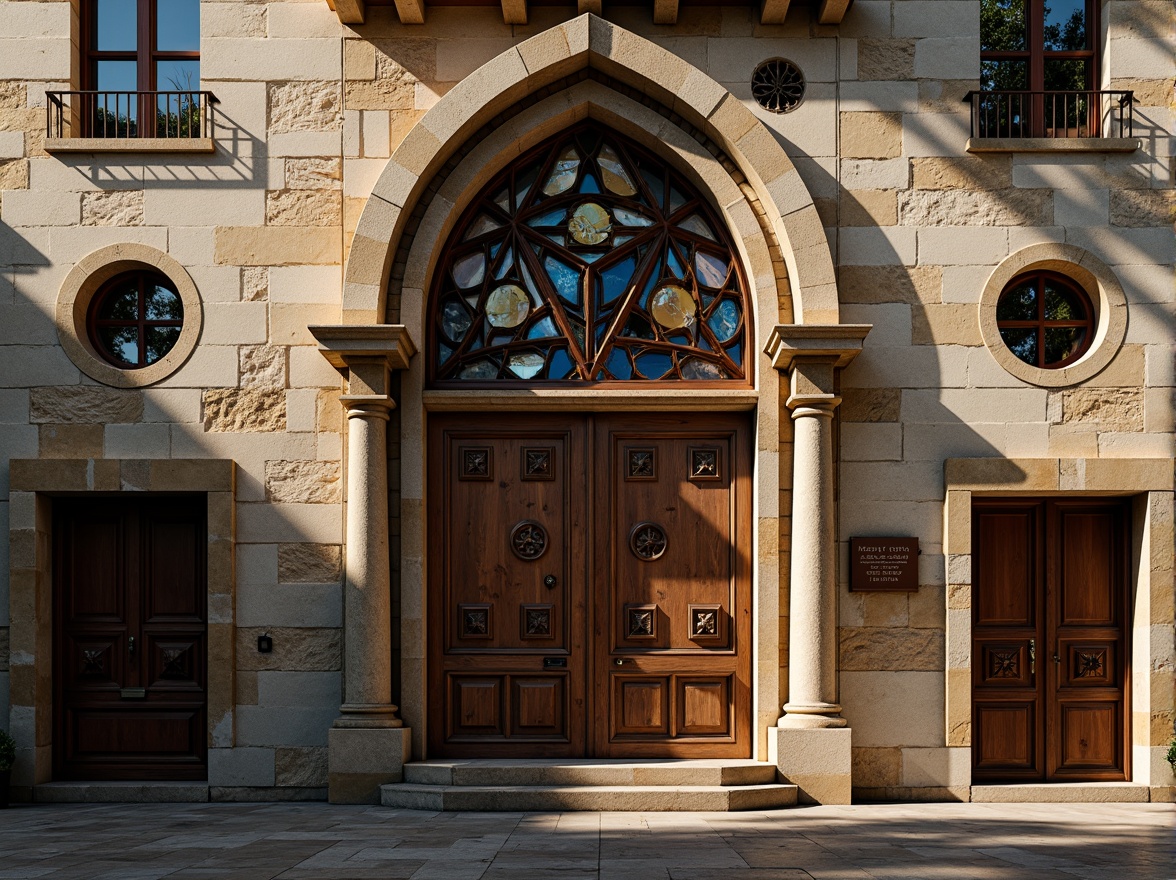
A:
{"x":140,"y":122}
{"x":1070,"y":121}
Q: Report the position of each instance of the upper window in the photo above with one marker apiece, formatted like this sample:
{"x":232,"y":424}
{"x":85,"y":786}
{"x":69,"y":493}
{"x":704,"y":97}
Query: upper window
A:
{"x":143,"y":58}
{"x":1045,"y":319}
{"x":589,"y":260}
{"x":135,"y":319}
{"x":1041,"y":57}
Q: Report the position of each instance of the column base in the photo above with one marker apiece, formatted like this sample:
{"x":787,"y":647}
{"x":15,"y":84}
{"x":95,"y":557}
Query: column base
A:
{"x":816,"y":760}
{"x":360,"y":760}
{"x":367,"y":715}
{"x":806,"y":716}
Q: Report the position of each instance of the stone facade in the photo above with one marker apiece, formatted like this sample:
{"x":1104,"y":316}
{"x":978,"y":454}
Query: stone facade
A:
{"x":342,"y":154}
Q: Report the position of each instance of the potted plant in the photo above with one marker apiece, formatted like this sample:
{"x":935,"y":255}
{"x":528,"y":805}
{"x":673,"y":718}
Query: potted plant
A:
{"x":7,"y":759}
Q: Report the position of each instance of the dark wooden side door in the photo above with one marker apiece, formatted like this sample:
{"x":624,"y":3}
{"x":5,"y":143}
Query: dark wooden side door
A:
{"x":130,"y":654}
{"x":1049,"y":652}
{"x":507,"y":528}
{"x":670,"y":580}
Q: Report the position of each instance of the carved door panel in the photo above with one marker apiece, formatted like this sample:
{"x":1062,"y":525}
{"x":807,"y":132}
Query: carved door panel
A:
{"x":1048,"y":629}
{"x":506,"y":587}
{"x":1088,"y":736}
{"x":670,"y":582}
{"x":130,"y":598}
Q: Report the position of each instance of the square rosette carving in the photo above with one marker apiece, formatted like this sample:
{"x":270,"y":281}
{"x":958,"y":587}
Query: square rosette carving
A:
{"x":640,"y":463}
{"x":704,"y":464}
{"x":707,"y":623}
{"x":475,"y":621}
{"x":537,"y":622}
{"x":641,"y":622}
{"x":1090,"y":665}
{"x":475,"y":463}
{"x":538,"y":463}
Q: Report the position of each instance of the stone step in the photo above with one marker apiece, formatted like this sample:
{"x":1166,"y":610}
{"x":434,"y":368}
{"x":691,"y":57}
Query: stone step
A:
{"x":606,"y":798}
{"x":1062,"y":793}
{"x":589,"y":772}
{"x":120,"y":792}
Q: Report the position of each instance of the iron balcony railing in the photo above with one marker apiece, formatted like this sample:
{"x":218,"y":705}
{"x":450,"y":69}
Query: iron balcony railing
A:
{"x":89,"y":114}
{"x":1024,"y":114}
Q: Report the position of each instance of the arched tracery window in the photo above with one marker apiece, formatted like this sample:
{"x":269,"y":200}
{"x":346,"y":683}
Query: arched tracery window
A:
{"x":588,"y":259}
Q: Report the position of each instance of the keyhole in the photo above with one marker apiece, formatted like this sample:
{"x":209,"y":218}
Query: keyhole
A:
{"x":549,"y":581}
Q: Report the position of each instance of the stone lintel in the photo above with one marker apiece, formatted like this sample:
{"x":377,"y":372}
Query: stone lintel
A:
{"x":343,"y":344}
{"x":837,"y":344}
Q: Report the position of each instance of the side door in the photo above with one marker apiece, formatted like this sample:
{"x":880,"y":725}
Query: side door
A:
{"x":507,"y":535}
{"x":130,"y":640}
{"x":670,"y":576}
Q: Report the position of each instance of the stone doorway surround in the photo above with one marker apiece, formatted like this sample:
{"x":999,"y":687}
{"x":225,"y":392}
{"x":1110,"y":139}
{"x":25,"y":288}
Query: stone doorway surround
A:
{"x":33,"y":483}
{"x":1152,"y":680}
{"x":588,"y":67}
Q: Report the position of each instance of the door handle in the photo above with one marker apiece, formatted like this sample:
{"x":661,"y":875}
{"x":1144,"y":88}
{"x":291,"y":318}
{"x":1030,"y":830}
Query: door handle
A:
{"x":620,"y":661}
{"x":1032,"y":656}
{"x":131,"y":645}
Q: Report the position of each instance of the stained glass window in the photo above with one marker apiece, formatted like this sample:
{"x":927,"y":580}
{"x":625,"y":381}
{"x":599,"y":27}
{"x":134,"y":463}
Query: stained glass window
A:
{"x":589,"y":260}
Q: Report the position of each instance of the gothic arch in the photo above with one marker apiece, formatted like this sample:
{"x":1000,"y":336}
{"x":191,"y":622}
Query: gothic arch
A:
{"x":590,"y":42}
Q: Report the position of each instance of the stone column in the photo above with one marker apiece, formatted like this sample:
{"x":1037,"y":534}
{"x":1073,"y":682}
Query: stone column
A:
{"x":368,"y":744}
{"x":811,"y":744}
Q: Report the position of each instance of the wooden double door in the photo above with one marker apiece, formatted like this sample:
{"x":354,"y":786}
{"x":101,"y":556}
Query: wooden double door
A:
{"x":1049,"y":640}
{"x":130,"y":653}
{"x":589,"y":586}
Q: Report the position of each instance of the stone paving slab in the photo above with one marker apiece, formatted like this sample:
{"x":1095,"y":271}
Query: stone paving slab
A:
{"x":323,"y":842}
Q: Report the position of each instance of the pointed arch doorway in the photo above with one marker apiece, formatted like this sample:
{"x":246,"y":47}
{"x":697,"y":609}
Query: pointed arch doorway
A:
{"x":589,"y":573}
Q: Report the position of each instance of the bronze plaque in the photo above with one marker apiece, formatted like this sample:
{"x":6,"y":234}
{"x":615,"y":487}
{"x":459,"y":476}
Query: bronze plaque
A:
{"x":883,"y":564}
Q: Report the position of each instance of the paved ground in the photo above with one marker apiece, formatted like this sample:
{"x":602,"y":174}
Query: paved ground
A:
{"x":257,"y":842}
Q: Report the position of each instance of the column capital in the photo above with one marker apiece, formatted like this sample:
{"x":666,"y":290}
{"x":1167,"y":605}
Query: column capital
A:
{"x":366,"y":355}
{"x":832,"y":344}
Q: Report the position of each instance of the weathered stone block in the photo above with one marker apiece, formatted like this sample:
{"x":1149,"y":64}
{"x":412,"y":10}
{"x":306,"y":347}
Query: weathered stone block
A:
{"x":323,"y":173}
{"x":304,"y":208}
{"x":305,"y":106}
{"x":14,"y":174}
{"x":946,"y":324}
{"x":255,"y":283}
{"x":312,"y":482}
{"x":309,"y":563}
{"x":361,"y":760}
{"x":262,"y":366}
{"x":277,"y":246}
{"x":1112,"y":409}
{"x":1143,"y":207}
{"x":869,"y":207}
{"x":113,"y":208}
{"x":874,"y":768}
{"x":234,"y":410}
{"x":241,"y":766}
{"x":871,"y":135}
{"x":71,"y":441}
{"x":84,"y":405}
{"x":882,"y":59}
{"x":301,"y":767}
{"x":1013,"y":207}
{"x":884,"y":648}
{"x":870,"y":404}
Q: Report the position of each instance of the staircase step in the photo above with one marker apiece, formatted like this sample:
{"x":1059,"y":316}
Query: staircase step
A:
{"x":608,"y":798}
{"x":588,"y":772}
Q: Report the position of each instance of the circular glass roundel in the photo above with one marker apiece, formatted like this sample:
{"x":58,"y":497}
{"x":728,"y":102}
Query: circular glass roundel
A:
{"x":778,"y":85}
{"x":135,"y":319}
{"x":672,"y":307}
{"x":1045,"y":319}
{"x":507,"y":306}
{"x":589,"y":224}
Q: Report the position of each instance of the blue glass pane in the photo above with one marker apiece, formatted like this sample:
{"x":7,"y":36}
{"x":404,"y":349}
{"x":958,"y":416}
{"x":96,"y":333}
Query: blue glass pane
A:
{"x":118,"y":76}
{"x":561,"y":365}
{"x":177,"y":26}
{"x":618,"y":364}
{"x":1065,"y":25}
{"x":617,"y":278}
{"x":117,"y":25}
{"x":550,"y":218}
{"x":676,"y":267}
{"x":542,"y":329}
{"x":589,"y":184}
{"x":654,"y":364}
{"x":724,"y":321}
{"x":565,"y":278}
{"x":656,"y":185}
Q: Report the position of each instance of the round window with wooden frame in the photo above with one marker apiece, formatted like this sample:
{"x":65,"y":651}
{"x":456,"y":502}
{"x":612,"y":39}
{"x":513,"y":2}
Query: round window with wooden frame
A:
{"x":1045,"y":319}
{"x":589,"y":260}
{"x":135,"y":319}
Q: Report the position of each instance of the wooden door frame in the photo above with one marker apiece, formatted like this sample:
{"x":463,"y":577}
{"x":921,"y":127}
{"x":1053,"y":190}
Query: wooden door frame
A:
{"x":33,"y":484}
